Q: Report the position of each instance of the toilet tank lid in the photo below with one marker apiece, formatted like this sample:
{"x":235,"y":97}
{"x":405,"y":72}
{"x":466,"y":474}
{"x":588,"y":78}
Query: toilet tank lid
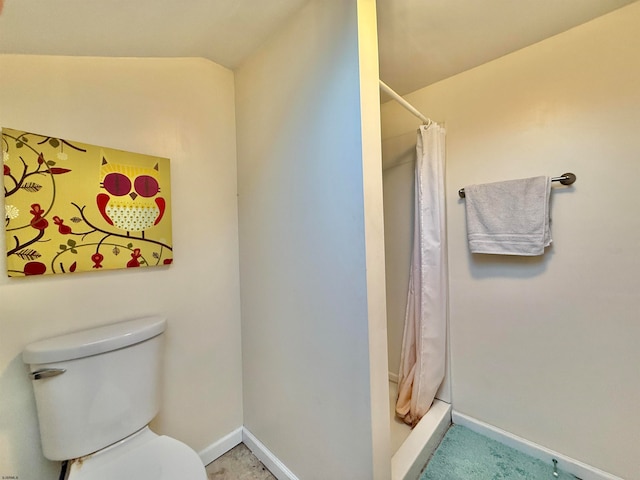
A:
{"x":93,"y":341}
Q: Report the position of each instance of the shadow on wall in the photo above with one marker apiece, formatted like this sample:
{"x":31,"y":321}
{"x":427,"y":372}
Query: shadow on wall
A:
{"x":21,"y":430}
{"x":508,"y":266}
{"x":406,"y":156}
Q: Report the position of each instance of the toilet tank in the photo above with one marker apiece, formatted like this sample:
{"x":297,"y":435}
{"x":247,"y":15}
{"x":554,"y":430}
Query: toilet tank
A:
{"x":95,"y":387}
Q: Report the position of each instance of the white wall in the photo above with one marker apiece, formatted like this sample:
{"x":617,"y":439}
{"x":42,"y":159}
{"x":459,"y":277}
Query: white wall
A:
{"x":177,"y":108}
{"x":547,"y":348}
{"x":374,"y":237}
{"x":305,"y":174}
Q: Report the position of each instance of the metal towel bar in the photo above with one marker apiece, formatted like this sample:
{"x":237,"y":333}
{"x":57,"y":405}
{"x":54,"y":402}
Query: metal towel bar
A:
{"x":564,"y":179}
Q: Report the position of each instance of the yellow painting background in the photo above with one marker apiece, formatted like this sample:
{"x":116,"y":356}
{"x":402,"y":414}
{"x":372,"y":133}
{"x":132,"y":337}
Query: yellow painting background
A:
{"x":53,"y":221}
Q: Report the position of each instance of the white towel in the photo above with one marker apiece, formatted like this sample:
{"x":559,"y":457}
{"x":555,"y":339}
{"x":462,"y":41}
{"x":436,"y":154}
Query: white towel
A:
{"x":509,"y":218}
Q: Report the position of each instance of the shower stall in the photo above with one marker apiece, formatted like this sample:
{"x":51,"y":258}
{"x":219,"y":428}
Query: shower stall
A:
{"x":411,"y":447}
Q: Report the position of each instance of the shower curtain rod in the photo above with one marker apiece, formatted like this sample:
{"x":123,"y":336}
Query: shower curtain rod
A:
{"x":387,"y":89}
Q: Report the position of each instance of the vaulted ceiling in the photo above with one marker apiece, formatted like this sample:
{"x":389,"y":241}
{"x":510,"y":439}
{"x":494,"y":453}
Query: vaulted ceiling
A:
{"x":421,"y":41}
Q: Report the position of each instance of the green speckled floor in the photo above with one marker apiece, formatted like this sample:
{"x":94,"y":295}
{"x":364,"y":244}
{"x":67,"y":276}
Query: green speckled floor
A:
{"x":466,"y":455}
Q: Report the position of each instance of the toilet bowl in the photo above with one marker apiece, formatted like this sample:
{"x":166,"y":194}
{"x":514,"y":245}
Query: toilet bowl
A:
{"x":96,"y":391}
{"x":144,"y":455}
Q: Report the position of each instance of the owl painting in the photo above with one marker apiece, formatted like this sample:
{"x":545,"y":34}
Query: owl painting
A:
{"x":75,"y":207}
{"x":132,"y":201}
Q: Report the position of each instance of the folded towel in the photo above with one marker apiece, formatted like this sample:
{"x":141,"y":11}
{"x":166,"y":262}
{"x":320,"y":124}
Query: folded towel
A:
{"x":509,"y":218}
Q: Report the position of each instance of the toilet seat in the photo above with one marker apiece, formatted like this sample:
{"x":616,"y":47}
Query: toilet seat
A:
{"x":141,"y":456}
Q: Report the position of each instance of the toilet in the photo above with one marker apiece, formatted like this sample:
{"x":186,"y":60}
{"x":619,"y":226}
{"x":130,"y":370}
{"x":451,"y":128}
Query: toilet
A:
{"x":96,"y":391}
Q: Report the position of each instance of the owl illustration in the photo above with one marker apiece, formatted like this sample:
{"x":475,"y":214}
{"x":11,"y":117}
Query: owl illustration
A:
{"x":132,"y":202}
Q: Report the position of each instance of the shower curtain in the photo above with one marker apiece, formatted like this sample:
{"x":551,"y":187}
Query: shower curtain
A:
{"x":422,"y":365}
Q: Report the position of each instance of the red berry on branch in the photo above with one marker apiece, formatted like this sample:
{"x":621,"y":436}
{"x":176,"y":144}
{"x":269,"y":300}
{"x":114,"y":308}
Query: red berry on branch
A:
{"x":34,"y":268}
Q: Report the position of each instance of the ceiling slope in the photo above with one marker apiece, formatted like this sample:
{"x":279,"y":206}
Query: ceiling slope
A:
{"x":420,"y":41}
{"x":225,"y":31}
{"x":424,"y":41}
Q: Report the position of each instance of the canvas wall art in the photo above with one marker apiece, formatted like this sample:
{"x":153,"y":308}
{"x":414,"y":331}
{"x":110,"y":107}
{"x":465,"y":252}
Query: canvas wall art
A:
{"x":72,"y":207}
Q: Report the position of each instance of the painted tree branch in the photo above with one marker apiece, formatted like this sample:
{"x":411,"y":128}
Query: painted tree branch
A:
{"x":26,"y":244}
{"x":120,"y":235}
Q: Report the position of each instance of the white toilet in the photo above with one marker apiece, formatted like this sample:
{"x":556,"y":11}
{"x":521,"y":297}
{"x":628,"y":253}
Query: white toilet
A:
{"x":96,"y":391}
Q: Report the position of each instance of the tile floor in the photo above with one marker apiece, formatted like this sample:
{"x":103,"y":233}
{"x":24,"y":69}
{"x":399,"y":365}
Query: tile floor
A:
{"x":238,"y":464}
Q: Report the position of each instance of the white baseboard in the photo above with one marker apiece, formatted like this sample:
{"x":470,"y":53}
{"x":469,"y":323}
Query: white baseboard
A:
{"x":242,"y":435}
{"x":568,"y":464}
{"x":275,"y":466}
{"x":221,"y":447}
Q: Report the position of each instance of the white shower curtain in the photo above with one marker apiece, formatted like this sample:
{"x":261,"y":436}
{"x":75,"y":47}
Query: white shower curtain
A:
{"x":422,"y":365}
